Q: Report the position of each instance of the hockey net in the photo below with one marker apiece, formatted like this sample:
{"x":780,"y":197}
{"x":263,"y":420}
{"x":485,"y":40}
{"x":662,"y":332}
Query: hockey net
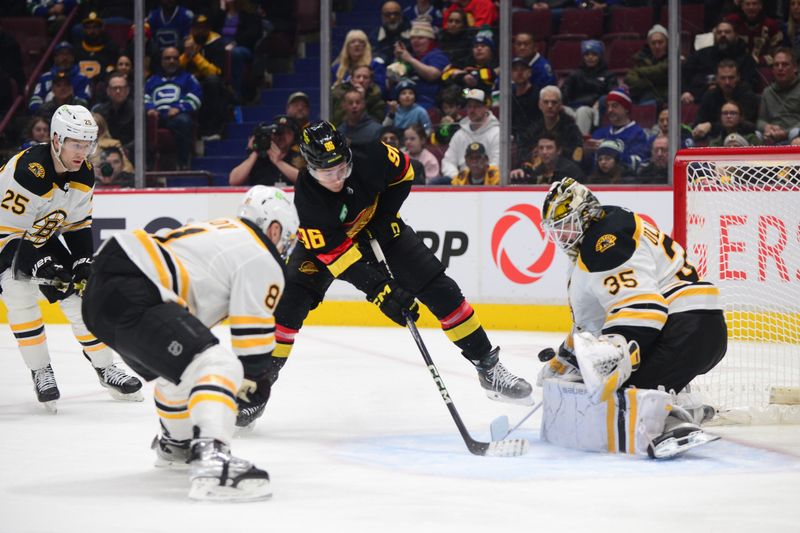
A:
{"x":737,"y":212}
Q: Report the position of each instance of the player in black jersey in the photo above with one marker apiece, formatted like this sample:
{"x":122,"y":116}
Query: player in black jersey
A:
{"x":343,"y":201}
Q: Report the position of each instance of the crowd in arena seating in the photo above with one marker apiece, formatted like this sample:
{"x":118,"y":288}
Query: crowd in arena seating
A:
{"x":588,"y":98}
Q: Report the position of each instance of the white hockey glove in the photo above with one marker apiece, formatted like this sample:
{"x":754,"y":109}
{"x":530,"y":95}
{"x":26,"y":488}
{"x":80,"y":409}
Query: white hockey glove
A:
{"x":560,"y":365}
{"x":605,"y":362}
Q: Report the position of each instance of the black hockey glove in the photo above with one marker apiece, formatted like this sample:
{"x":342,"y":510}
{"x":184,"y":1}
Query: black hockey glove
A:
{"x":395,"y":302}
{"x":80,"y":274}
{"x":384,"y":228}
{"x":48,"y":269}
{"x":255,"y":390}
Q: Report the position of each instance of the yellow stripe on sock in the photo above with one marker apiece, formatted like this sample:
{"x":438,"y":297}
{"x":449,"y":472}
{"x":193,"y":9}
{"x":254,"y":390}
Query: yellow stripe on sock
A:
{"x":462,"y":330}
{"x":212,"y":397}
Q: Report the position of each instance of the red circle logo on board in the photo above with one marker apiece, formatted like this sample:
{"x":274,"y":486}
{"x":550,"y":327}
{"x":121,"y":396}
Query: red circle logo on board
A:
{"x":516,"y":273}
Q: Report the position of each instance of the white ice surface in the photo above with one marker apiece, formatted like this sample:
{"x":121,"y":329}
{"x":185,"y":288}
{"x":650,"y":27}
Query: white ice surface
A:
{"x":357,"y":439}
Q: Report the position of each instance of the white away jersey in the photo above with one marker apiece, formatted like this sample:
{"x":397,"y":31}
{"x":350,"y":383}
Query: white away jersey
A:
{"x":629,"y":273}
{"x":37,"y":200}
{"x":217,"y":269}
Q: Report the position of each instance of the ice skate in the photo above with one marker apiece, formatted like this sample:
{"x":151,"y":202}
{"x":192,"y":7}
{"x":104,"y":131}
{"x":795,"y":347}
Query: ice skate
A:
{"x":120,"y":385}
{"x":216,"y":475}
{"x":681,"y":433}
{"x":247,"y":416}
{"x":500,"y":384}
{"x":171,"y":453}
{"x":44,"y":383}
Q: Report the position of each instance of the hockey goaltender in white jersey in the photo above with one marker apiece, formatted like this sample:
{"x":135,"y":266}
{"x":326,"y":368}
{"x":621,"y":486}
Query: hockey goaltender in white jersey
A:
{"x":643,"y":320}
{"x":154,"y":298}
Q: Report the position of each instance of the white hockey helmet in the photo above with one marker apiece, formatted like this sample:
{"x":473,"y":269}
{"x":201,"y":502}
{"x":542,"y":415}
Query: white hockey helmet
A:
{"x":74,"y":122}
{"x":264,"y":205}
{"x":569,"y":208}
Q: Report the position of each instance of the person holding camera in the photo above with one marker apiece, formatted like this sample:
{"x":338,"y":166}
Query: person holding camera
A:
{"x":111,"y":171}
{"x":273,"y":156}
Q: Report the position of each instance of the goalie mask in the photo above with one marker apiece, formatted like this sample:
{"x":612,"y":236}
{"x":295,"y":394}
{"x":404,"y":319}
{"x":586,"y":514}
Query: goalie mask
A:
{"x":568,"y":210}
{"x":264,"y":205}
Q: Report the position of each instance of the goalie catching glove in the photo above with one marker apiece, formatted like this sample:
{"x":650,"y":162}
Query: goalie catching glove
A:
{"x":47,"y":268}
{"x":605,"y":362}
{"x":394,"y":301}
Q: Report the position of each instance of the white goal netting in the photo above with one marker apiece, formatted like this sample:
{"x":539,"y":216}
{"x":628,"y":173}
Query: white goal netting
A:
{"x":742,"y":222}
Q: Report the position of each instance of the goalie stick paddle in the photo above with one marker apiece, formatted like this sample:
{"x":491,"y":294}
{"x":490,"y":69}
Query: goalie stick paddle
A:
{"x":501,"y":448}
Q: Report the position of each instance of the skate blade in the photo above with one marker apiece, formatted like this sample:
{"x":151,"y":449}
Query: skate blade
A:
{"x":496,"y":396}
{"x":507,"y":448}
{"x":245,"y":430}
{"x":132,"y":397}
{"x":50,"y":407}
{"x":249,"y":490}
{"x":678,"y":445}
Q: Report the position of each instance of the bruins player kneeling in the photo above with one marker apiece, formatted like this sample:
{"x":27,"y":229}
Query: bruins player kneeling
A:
{"x":643,"y":320}
{"x":153,"y":298}
{"x":47,"y":196}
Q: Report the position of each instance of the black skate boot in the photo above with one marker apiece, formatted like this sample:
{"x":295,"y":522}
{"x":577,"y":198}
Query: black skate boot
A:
{"x":681,"y":433}
{"x":499,"y":383}
{"x":44,"y":383}
{"x":120,"y":385}
{"x":171,"y":453}
{"x":216,"y":475}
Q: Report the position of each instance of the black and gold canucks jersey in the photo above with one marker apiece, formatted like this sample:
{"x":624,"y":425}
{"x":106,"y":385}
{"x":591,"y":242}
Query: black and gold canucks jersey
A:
{"x":329,"y":222}
{"x":38,"y":202}
{"x":629,"y":274}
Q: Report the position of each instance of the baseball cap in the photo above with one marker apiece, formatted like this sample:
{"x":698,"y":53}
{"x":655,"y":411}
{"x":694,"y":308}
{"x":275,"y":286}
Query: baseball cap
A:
{"x":519,"y":61}
{"x":299,"y":94}
{"x":63,"y":45}
{"x":475,"y":94}
{"x":92,"y":18}
{"x":200,"y":19}
{"x":475,"y":149}
{"x":612,"y":147}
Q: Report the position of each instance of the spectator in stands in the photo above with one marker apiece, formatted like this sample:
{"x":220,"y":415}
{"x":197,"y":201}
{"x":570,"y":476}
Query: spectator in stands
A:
{"x":273,"y":155}
{"x":762,"y":34}
{"x":547,"y":164}
{"x":524,"y":98}
{"x":424,"y":10}
{"x":170,"y":24}
{"x":621,"y":127}
{"x":106,"y":141}
{"x":240,"y":29}
{"x":10,"y":70}
{"x":608,"y":167}
{"x":404,"y":110}
{"x":204,"y":57}
{"x":414,"y":140}
{"x":699,"y":70}
{"x":655,"y":170}
{"x":779,"y":116}
{"x":391,"y":136}
{"x":728,"y":87}
{"x":426,"y":62}
{"x":55,"y":11}
{"x":298,"y":108}
{"x":63,"y":61}
{"x":555,"y":121}
{"x":480,"y":72}
{"x":524,"y":45}
{"x":734,"y":140}
{"x":455,"y":41}
{"x":62,"y":94}
{"x":118,"y":109}
{"x":96,"y":54}
{"x":586,"y":85}
{"x":152,"y":54}
{"x":647,"y":80}
{"x":360,"y":79}
{"x":792,"y":29}
{"x":731,"y":121}
{"x":358,"y":126}
{"x":37,"y":131}
{"x":357,"y":51}
{"x":661,"y":127}
{"x":480,"y":126}
{"x":450,"y":102}
{"x":479,"y":12}
{"x":394,"y":28}
{"x":173,"y":97}
{"x":110,"y":171}
{"x":477,"y":170}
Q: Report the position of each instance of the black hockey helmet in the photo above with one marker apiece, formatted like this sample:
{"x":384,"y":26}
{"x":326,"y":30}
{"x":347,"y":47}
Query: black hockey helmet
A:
{"x":323,"y":146}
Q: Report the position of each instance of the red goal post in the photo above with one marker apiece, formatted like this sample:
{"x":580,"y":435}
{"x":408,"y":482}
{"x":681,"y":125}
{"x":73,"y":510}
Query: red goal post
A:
{"x":737,"y":213}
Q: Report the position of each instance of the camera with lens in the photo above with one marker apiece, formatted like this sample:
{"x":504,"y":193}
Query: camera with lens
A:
{"x":106,"y":170}
{"x":262,"y":138}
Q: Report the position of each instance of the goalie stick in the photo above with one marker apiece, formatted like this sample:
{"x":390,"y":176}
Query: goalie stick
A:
{"x":501,"y":448}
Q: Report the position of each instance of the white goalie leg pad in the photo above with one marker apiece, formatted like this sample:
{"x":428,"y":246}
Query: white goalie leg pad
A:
{"x":25,"y":318}
{"x":625,"y":423}
{"x":99,"y":354}
{"x":605,"y":362}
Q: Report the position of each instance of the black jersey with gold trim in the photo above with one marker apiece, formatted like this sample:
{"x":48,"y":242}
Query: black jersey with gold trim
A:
{"x":380,"y":182}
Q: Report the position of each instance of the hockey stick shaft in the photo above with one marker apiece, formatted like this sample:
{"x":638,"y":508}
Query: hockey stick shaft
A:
{"x":475,"y":447}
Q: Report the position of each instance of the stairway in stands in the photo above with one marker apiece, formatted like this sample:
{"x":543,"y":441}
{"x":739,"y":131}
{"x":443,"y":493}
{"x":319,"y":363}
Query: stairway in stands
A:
{"x":221,"y":156}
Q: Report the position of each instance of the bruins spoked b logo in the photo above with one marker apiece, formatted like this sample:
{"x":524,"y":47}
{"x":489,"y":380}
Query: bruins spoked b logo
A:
{"x":45,"y":227}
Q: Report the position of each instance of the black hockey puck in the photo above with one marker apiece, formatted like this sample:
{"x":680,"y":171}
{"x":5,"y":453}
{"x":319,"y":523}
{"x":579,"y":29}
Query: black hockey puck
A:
{"x":546,"y":354}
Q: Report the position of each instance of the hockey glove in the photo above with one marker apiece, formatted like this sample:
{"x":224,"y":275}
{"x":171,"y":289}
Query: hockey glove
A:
{"x":47,"y":269}
{"x":384,"y":228}
{"x":80,"y":274}
{"x":395,"y":302}
{"x":255,"y":390}
{"x":561,"y":365}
